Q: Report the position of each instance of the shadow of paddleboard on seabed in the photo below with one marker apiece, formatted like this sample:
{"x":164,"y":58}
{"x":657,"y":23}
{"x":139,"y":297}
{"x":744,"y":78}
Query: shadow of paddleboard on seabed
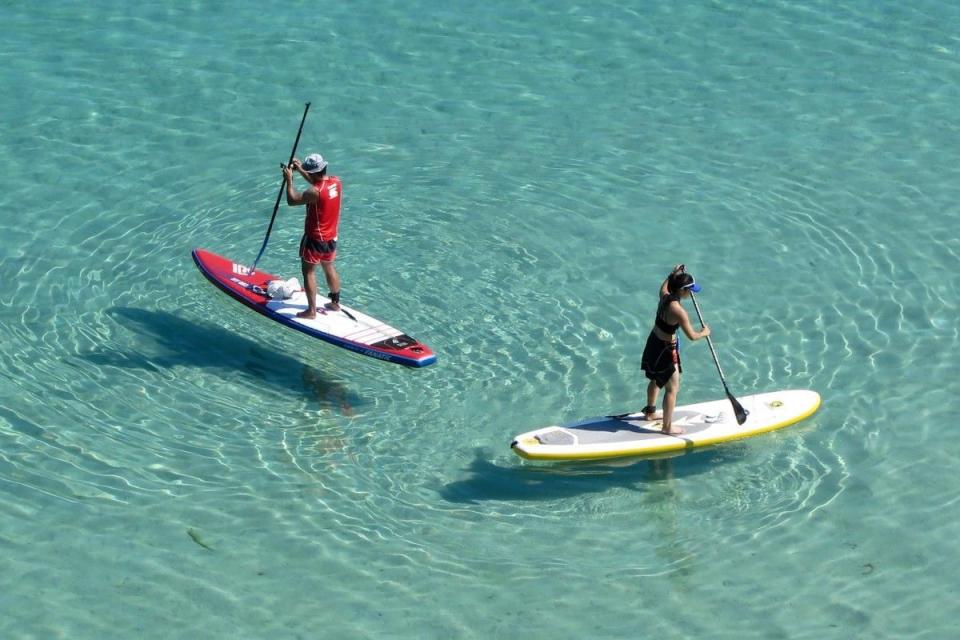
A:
{"x":187,"y":343}
{"x":490,"y":481}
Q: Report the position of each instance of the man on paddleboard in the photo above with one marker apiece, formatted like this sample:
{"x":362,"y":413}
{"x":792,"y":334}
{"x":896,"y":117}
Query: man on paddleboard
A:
{"x":319,"y":243}
{"x":661,"y":356}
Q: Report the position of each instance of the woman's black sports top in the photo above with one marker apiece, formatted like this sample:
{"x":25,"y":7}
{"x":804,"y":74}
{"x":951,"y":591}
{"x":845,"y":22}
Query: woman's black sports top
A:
{"x":662,"y":324}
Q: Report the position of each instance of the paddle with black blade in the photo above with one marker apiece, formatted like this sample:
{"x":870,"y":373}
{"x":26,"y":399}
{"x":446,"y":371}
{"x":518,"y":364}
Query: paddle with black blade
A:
{"x":738,"y":409}
{"x":276,"y":206}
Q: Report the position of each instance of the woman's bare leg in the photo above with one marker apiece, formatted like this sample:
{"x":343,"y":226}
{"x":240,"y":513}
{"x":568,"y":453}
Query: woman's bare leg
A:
{"x":670,"y":393}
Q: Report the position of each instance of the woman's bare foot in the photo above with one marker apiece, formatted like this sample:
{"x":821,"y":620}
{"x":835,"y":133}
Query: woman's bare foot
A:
{"x":672,"y":431}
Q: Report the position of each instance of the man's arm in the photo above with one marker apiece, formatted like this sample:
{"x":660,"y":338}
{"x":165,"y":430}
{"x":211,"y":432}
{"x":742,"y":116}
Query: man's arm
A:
{"x":296,"y":198}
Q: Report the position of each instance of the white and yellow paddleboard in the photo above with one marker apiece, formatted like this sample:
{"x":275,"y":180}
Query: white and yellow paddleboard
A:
{"x":703,"y":424}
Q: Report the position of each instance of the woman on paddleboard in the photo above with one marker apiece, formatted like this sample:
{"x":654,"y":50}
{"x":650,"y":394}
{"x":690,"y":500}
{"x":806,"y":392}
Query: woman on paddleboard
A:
{"x":319,"y":242}
{"x":661,"y":356}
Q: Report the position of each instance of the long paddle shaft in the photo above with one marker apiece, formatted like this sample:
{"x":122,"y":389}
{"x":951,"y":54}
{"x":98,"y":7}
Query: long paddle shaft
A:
{"x":283,"y":185}
{"x":738,"y":409}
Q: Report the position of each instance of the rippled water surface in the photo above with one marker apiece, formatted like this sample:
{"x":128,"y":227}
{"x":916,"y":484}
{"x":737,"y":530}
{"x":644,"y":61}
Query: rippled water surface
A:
{"x":518,"y":180}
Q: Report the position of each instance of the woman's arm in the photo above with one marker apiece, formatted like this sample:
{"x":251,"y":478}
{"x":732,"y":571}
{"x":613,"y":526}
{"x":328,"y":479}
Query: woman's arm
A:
{"x":681,"y":314}
{"x":664,"y":290}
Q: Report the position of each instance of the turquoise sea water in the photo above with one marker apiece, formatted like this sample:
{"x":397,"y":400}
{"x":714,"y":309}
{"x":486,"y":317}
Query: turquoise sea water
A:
{"x":518,"y":180}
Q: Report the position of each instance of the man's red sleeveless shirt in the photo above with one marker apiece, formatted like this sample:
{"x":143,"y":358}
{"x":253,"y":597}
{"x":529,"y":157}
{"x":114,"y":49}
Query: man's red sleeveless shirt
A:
{"x":323,"y":217}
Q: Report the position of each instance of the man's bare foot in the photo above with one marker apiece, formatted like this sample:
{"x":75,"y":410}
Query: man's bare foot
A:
{"x":332,"y":306}
{"x":307,"y":315}
{"x":672,"y":431}
{"x":652,"y":417}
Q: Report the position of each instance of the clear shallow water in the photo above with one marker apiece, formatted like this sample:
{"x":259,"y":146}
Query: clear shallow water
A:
{"x":517,"y":180}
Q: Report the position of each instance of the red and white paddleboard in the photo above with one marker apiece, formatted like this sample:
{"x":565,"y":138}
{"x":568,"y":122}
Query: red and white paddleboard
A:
{"x":346,"y":328}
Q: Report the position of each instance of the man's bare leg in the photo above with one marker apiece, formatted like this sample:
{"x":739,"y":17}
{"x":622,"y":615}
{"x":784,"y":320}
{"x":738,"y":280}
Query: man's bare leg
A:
{"x":333,"y":282}
{"x":310,"y":287}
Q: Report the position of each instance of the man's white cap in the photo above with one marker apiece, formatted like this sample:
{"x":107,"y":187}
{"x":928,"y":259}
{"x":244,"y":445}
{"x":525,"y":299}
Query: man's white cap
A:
{"x":314,"y":163}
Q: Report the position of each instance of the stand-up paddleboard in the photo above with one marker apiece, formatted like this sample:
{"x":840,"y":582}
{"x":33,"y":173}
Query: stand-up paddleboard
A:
{"x":704,"y":424}
{"x":347,"y":328}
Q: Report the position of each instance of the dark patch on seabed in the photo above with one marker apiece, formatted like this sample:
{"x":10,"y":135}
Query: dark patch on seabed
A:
{"x":196,"y":538}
